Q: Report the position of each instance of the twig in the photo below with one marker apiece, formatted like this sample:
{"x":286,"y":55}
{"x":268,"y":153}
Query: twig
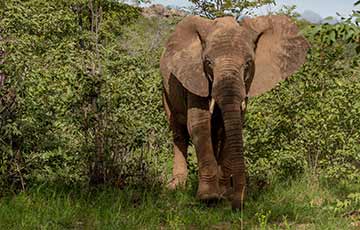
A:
{"x":19,"y":171}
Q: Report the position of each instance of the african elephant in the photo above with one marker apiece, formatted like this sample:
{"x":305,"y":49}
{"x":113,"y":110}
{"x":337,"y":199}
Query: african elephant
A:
{"x":209,"y":69}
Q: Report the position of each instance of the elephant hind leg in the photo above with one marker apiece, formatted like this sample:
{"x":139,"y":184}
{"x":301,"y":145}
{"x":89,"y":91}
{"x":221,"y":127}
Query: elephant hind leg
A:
{"x":224,"y":171}
{"x":217,"y":132}
{"x":180,"y":171}
{"x":181,"y":142}
{"x":218,"y":140}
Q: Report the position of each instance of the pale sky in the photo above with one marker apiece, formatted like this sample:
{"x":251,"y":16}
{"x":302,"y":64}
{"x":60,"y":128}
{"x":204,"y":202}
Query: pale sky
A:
{"x":323,"y":7}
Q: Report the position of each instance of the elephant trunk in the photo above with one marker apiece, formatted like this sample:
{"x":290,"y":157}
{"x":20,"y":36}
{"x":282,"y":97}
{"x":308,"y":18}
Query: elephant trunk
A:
{"x":228,"y":94}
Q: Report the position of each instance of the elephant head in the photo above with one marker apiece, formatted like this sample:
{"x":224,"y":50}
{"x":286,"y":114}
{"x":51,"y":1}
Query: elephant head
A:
{"x":228,"y":62}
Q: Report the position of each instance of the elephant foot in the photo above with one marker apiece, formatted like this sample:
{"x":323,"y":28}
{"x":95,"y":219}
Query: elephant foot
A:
{"x":177,"y":181}
{"x":237,"y":204}
{"x":208,"y":197}
{"x":226,"y":190}
{"x":208,"y":191}
{"x":227,"y":193}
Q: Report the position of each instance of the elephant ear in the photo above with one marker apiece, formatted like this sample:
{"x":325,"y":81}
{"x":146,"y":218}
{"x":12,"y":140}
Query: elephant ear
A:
{"x":183,"y":55}
{"x":280,"y":51}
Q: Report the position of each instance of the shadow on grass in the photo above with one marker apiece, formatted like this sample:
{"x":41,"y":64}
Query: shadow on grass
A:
{"x":303,"y":203}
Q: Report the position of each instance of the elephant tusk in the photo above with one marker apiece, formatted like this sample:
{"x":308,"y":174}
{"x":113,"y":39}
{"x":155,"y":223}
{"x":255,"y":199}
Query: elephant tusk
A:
{"x":243,"y":105}
{"x":212,"y":105}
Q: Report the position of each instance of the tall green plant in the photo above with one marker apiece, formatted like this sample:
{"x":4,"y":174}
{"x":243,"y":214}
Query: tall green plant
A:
{"x":216,"y":8}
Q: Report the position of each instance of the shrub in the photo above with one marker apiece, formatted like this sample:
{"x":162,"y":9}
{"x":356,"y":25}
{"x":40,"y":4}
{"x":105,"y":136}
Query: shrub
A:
{"x":311,"y":120}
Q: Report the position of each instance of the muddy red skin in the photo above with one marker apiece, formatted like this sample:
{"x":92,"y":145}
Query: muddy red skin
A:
{"x":209,"y":69}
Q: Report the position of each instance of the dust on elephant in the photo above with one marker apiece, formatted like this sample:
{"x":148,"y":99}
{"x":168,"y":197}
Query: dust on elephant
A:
{"x":209,"y":69}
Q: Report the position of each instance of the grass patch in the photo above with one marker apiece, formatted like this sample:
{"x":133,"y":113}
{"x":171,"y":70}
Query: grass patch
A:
{"x":299,"y":204}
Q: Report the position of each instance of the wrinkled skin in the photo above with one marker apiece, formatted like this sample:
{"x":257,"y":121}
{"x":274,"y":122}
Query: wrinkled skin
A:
{"x":209,"y":69}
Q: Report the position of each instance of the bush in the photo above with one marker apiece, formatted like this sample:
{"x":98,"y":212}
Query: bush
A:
{"x":48,"y":122}
{"x":310,"y":122}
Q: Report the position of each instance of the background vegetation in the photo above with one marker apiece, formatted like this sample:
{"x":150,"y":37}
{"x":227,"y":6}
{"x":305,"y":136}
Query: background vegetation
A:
{"x":80,"y":104}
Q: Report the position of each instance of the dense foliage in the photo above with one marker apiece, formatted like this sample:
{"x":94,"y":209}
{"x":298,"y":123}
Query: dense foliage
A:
{"x":80,"y":100}
{"x":311,"y":121}
{"x":79,"y":82}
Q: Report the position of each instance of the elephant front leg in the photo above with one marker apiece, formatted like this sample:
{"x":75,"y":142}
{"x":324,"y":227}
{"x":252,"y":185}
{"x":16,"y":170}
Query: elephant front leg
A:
{"x":199,"y":126}
{"x":225,"y":180}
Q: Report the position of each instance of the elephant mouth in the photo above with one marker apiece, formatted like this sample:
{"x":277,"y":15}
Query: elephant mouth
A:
{"x":212,"y":105}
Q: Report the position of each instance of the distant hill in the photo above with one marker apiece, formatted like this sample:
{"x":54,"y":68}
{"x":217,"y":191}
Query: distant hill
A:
{"x":315,"y":18}
{"x":311,"y":16}
{"x":158,"y":10}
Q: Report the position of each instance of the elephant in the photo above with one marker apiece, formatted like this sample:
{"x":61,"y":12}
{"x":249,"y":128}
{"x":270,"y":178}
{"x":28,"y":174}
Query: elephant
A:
{"x":209,"y":69}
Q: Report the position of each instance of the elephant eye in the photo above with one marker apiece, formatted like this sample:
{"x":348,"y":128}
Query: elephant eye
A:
{"x":246,"y":72}
{"x":208,"y":62}
{"x":247,"y":68}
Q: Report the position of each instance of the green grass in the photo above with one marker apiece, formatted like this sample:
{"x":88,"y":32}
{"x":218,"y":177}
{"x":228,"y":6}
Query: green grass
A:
{"x":300,"y":204}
